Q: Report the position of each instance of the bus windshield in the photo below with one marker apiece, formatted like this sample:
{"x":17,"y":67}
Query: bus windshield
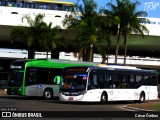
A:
{"x":16,"y":77}
{"x":74,"y":81}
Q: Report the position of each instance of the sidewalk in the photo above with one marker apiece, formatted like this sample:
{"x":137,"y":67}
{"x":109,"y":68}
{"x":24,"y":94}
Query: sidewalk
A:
{"x":3,"y":92}
{"x":152,"y":105}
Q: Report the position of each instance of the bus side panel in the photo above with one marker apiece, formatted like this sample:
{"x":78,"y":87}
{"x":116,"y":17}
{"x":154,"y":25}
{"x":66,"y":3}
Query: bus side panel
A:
{"x":92,"y":95}
{"x":31,"y":90}
{"x":54,"y":88}
{"x":38,"y":90}
{"x":122,"y":94}
{"x":151,"y":92}
{"x":159,"y":90}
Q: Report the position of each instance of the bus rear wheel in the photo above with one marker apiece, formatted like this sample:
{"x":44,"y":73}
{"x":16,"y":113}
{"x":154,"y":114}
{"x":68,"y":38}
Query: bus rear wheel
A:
{"x":48,"y":94}
{"x":104,"y":98}
{"x":142,"y":97}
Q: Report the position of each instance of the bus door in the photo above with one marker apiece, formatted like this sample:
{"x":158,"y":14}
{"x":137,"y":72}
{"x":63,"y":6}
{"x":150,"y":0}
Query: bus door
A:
{"x":146,"y":85}
{"x":152,"y":87}
{"x":56,"y":85}
{"x":93,"y":85}
{"x":31,"y":82}
{"x":55,"y":79}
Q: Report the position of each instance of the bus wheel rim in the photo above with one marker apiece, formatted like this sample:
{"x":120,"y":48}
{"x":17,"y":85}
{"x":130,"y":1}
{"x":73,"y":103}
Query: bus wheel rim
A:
{"x":104,"y":98}
{"x":47,"y":94}
{"x":142,"y":98}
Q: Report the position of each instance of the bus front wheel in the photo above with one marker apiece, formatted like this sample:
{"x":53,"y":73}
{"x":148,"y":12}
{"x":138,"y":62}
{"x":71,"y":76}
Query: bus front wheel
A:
{"x":104,"y":98}
{"x":48,"y":94}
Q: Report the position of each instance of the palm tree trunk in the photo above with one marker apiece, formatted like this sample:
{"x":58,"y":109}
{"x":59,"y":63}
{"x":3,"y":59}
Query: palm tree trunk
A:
{"x":84,"y":54}
{"x":31,"y":53}
{"x":117,"y":46}
{"x":125,"y":49}
{"x":55,"y":54}
{"x":47,"y":55}
{"x":91,"y":53}
{"x":107,"y":54}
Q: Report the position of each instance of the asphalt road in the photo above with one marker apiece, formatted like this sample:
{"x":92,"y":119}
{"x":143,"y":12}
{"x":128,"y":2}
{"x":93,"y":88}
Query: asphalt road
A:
{"x":81,"y":109}
{"x":38,"y":104}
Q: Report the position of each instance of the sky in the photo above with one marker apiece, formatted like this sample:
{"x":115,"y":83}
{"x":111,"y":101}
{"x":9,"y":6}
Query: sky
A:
{"x":152,"y":7}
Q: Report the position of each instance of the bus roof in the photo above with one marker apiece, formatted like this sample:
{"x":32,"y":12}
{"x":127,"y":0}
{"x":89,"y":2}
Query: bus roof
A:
{"x":117,"y":66}
{"x":70,"y":61}
{"x":58,"y":63}
{"x":54,"y":63}
{"x":53,"y":1}
{"x":111,"y":68}
{"x":124,"y":68}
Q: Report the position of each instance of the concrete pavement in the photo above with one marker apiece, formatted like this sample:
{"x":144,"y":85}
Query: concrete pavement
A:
{"x":151,"y":105}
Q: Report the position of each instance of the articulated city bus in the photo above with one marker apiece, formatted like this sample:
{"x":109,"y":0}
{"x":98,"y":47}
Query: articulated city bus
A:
{"x":108,"y":83}
{"x":38,"y":77}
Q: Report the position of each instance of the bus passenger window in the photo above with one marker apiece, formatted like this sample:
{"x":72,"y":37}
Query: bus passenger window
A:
{"x":130,"y":81}
{"x":95,"y":79}
{"x":146,"y":80}
{"x":115,"y":81}
{"x":100,"y":81}
{"x":153,"y":80}
{"x":138,"y":81}
{"x":123,"y":83}
{"x":108,"y":81}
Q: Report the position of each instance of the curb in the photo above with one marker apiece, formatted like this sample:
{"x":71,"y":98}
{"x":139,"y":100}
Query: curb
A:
{"x":136,"y":109}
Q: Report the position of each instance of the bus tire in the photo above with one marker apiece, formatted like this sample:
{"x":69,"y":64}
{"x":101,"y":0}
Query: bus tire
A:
{"x":48,"y":94}
{"x":142,"y":97}
{"x":104,"y":98}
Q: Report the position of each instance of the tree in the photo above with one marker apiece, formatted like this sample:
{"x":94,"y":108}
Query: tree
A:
{"x":117,"y":11}
{"x":84,"y":26}
{"x":103,"y":37}
{"x":51,"y":38}
{"x":105,"y":28}
{"x":30,"y":33}
{"x":129,"y":22}
{"x":37,"y":35}
{"x":133,"y":23}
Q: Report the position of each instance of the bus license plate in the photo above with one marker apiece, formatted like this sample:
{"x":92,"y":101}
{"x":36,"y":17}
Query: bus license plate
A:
{"x":70,"y":98}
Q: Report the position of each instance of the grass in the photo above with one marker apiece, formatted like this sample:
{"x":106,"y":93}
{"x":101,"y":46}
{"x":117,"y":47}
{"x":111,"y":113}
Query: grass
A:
{"x":157,"y":105}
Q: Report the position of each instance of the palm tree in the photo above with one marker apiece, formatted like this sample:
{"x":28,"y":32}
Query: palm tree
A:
{"x":117,"y":11}
{"x":85,"y":27}
{"x":132,"y":23}
{"x":51,"y":38}
{"x":103,"y":37}
{"x":31,"y":33}
{"x":107,"y":26}
{"x":38,"y":35}
{"x":129,"y":22}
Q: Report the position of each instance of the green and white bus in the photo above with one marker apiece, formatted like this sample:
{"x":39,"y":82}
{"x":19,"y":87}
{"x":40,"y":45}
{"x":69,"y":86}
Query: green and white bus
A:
{"x":108,"y":83}
{"x":38,"y":77}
